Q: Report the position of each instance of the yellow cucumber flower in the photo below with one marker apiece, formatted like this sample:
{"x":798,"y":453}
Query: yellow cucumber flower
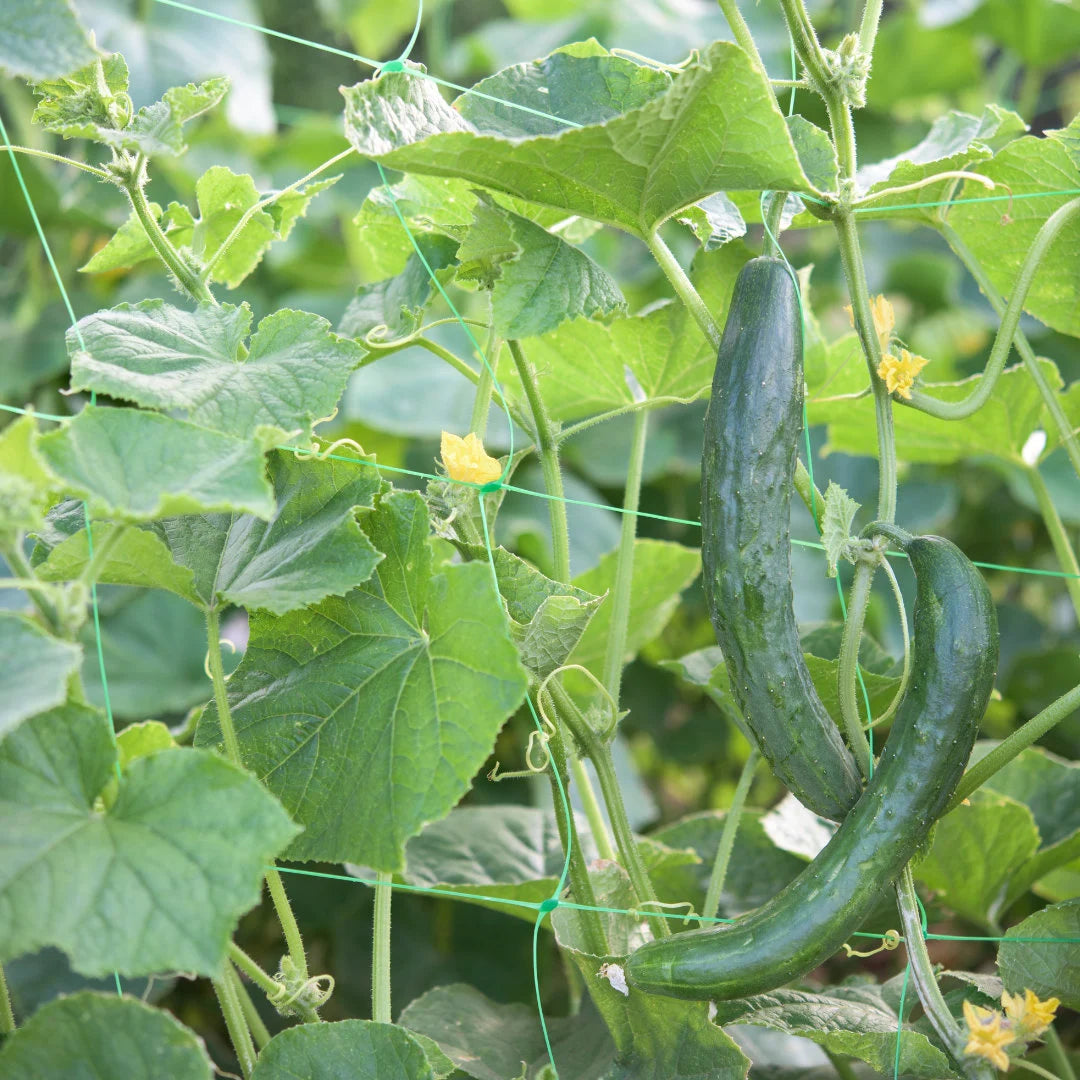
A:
{"x":465,"y":459}
{"x":986,"y":1037}
{"x":1028,"y":1014}
{"x":884,"y":319}
{"x":899,"y":371}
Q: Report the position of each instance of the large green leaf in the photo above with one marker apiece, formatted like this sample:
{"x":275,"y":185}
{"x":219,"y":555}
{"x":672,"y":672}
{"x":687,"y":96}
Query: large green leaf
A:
{"x":137,"y":466}
{"x":999,"y":234}
{"x":588,"y":367}
{"x":155,"y":882}
{"x":850,"y":1021}
{"x":34,"y":671}
{"x":160,"y":356}
{"x":488,"y":1040}
{"x":662,"y":570}
{"x":957,"y":865}
{"x":41,"y":39}
{"x":92,"y":1036}
{"x":537,"y":280}
{"x":1050,"y":964}
{"x":358,"y":1049}
{"x":369,"y":715}
{"x":311,"y":546}
{"x":716,"y":128}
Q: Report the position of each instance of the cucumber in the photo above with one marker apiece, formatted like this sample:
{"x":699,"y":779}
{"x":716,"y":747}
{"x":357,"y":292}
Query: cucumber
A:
{"x":752,"y":430}
{"x":954,"y":661}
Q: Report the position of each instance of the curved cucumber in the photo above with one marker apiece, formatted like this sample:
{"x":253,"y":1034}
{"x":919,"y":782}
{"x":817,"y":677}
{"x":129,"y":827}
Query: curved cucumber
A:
{"x":752,"y":429}
{"x":954,"y":661}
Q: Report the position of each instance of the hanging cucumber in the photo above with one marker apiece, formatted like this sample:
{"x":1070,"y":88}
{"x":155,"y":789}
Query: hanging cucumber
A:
{"x":752,"y":429}
{"x":954,"y":660}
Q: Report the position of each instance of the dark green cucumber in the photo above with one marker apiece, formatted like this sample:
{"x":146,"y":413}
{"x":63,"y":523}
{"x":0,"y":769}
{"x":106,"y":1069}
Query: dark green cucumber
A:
{"x":752,"y":431}
{"x":954,"y":659}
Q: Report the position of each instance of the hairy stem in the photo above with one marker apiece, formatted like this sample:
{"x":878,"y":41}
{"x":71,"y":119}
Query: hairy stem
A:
{"x":848,"y":670}
{"x":274,"y":884}
{"x":1059,"y":1058}
{"x":771,"y":223}
{"x":484,"y":387}
{"x":1023,"y":346}
{"x":251,"y":1015}
{"x":101,"y":174}
{"x":731,"y":11}
{"x":380,"y":958}
{"x":548,"y":449}
{"x":615,"y":652}
{"x":251,"y":968}
{"x":593,"y":813}
{"x":235,"y":1023}
{"x":851,"y":256}
{"x":727,"y":838}
{"x":684,"y":288}
{"x":191,"y":283}
{"x":7,"y":1015}
{"x":806,"y":43}
{"x":1010,"y":320}
{"x":580,"y":885}
{"x":1059,"y":536}
{"x":922,"y":972}
{"x":871,"y":16}
{"x":1015,"y":744}
{"x":16,"y":558}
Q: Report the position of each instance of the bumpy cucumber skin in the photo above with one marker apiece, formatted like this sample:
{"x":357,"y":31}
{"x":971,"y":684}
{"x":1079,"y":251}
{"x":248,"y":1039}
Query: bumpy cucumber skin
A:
{"x":752,"y":429}
{"x":954,"y":661}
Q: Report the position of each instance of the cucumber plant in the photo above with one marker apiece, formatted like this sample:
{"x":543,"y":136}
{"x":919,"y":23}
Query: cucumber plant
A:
{"x":412,"y":420}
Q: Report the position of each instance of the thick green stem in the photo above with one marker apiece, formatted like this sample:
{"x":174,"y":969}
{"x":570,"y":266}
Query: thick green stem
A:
{"x":871,"y":16}
{"x":1059,"y":1058}
{"x":615,"y":653}
{"x":851,"y":256}
{"x":7,"y":1015}
{"x":593,"y":814}
{"x":380,"y":953}
{"x":1015,"y":744}
{"x":806,"y":43}
{"x":1059,"y":537}
{"x":184,"y":274}
{"x":1010,"y":320}
{"x":727,"y":838}
{"x":221,"y":697}
{"x":548,"y":448}
{"x":580,"y":885}
{"x":16,"y":558}
{"x":922,"y":973}
{"x":773,"y":217}
{"x":484,"y":387}
{"x":266,"y":983}
{"x":731,"y":11}
{"x":1023,"y":346}
{"x":236,"y":1024}
{"x":232,"y":750}
{"x":251,"y":1015}
{"x":848,"y":670}
{"x":684,"y":288}
{"x":629,"y":854}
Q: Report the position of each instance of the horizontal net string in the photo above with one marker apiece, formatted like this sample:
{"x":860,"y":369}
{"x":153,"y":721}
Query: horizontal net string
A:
{"x":547,"y":905}
{"x":693,"y":522}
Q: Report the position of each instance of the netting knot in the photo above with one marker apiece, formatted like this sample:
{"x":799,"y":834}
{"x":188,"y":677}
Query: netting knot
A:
{"x":550,"y":904}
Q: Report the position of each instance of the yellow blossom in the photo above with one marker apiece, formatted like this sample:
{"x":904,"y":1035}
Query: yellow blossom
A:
{"x":884,"y":319}
{"x":464,"y":459}
{"x":986,"y":1038}
{"x":899,"y":371}
{"x":1028,"y":1014}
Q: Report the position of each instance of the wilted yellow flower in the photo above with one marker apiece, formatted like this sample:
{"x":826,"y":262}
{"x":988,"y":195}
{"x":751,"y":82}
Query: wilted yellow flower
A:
{"x":465,"y":459}
{"x":899,"y":371}
{"x":1028,"y":1014}
{"x":884,"y":319}
{"x":986,"y":1037}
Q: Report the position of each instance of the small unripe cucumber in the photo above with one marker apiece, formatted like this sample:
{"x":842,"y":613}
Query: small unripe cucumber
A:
{"x":752,"y":430}
{"x":953,"y":664}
